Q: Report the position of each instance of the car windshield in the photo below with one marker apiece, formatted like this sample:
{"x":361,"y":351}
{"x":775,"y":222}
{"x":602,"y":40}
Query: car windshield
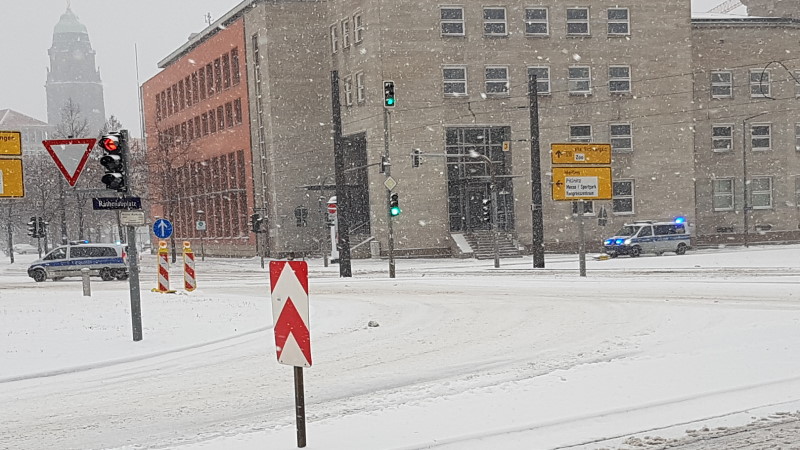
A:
{"x":627,"y":230}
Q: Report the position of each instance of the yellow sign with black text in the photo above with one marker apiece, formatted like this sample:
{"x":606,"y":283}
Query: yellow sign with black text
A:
{"x":581,"y":183}
{"x":11,"y":182}
{"x":10,"y":143}
{"x":578,"y":153}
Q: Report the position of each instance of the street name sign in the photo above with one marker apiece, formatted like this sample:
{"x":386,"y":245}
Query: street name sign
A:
{"x":70,"y":156}
{"x":10,"y":143}
{"x":289,"y":292}
{"x":116,"y":203}
{"x":162,"y":228}
{"x":131,"y":218}
{"x":581,"y":183}
{"x":578,"y":153}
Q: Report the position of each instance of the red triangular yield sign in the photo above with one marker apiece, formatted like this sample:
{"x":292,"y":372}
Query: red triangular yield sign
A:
{"x":70,"y":156}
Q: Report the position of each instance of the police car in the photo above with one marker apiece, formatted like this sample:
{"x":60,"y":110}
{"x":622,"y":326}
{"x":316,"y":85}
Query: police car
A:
{"x":108,"y":261}
{"x":647,"y":236}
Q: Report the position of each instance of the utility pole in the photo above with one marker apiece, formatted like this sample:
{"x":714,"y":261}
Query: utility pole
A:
{"x":388,"y":171}
{"x":537,"y":218}
{"x":342,"y":196}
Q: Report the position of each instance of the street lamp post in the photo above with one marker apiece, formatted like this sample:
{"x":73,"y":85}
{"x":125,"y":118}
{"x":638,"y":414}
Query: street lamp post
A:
{"x":200,"y":214}
{"x":493,"y":193}
{"x":746,"y":207}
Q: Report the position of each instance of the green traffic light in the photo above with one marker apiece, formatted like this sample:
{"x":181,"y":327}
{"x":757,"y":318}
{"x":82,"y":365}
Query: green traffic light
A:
{"x":394,"y":211}
{"x":390,"y":101}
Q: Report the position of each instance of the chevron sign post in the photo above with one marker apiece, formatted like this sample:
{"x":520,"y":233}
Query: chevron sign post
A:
{"x":289,"y":287}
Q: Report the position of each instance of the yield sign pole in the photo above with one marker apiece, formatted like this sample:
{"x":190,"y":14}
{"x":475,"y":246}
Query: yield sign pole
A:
{"x":289,"y":291}
{"x":70,"y":156}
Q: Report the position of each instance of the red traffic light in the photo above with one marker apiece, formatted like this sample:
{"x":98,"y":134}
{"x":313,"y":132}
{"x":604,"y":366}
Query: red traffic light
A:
{"x":109,"y":143}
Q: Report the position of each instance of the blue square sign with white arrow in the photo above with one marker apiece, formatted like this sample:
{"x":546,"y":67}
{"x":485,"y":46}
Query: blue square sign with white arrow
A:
{"x":162,"y":228}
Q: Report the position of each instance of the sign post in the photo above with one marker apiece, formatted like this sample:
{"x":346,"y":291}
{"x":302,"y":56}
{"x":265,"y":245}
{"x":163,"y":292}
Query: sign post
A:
{"x":581,"y":172}
{"x":289,"y":292}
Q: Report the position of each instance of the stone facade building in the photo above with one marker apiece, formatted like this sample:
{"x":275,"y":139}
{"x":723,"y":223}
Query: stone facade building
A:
{"x":670,"y":92}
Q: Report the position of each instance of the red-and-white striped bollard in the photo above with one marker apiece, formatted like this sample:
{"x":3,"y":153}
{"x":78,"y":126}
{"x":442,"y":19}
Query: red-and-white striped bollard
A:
{"x":189,"y":281}
{"x":163,"y":268}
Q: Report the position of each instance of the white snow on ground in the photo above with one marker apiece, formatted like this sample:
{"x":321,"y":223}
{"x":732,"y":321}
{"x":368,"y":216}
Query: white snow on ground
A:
{"x":466,"y":356}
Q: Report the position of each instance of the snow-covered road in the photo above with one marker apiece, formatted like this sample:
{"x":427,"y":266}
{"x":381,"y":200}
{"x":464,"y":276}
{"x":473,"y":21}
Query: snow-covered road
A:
{"x":465,"y":357}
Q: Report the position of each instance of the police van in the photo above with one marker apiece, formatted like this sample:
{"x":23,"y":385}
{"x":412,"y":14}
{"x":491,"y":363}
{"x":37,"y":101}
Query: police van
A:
{"x":108,"y":261}
{"x":647,"y":236}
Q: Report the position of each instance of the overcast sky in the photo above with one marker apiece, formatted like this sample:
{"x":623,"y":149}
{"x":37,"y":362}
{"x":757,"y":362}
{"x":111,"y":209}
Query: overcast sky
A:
{"x":116,"y":27}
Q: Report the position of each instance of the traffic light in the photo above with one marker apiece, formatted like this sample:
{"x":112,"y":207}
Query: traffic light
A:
{"x":394,"y":205}
{"x":33,"y":227}
{"x":486,"y":210}
{"x":415,"y":157}
{"x":114,"y":161}
{"x":255,"y":222}
{"x":42,"y":227}
{"x":388,"y":94}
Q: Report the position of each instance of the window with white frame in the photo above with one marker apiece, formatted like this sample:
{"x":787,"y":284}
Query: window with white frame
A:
{"x":455,"y":80}
{"x":722,"y":84}
{"x":346,"y":33}
{"x":360,"y":88}
{"x":761,"y":192}
{"x":577,"y":21}
{"x":722,"y":138}
{"x":760,"y":137}
{"x":496,"y":78}
{"x":542,"y":74}
{"x":358,"y":28}
{"x":537,"y":22}
{"x":622,"y":197}
{"x":348,"y":91}
{"x":619,"y":79}
{"x":452,"y":20}
{"x":588,"y":208}
{"x":334,"y":38}
{"x":797,"y":137}
{"x":722,"y":195}
{"x":619,"y":22}
{"x":580,"y":133}
{"x":579,"y":80}
{"x":621,"y":137}
{"x":494,"y":21}
{"x":759,"y":83}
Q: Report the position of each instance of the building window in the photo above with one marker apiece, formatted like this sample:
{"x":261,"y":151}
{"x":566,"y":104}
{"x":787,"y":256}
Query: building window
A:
{"x":360,"y":88}
{"x":619,"y":23}
{"x":452,"y":20}
{"x":229,"y":114}
{"x":577,"y":21}
{"x":212,"y":121}
{"x":237,"y":110}
{"x":334,"y":39}
{"x":542,"y":79}
{"x":721,"y":84}
{"x":496,"y":80}
{"x":619,"y":79}
{"x":536,"y":22}
{"x":346,"y":33}
{"x":579,"y":80}
{"x":722,"y":138}
{"x":218,"y":74}
{"x":202,"y":77}
{"x":580,"y":133}
{"x":759,"y":83}
{"x":621,"y":137}
{"x":722,"y":194}
{"x":188,"y":83}
{"x":622,"y":197}
{"x":195,"y":88}
{"x":226,"y":71}
{"x":209,"y":80}
{"x":220,"y":118}
{"x":797,"y":137}
{"x":494,"y":22}
{"x":797,"y":191}
{"x":761,"y":192}
{"x":760,"y":137}
{"x":348,"y":91}
{"x":158,"y":107}
{"x":235,"y":74}
{"x":455,"y":80}
{"x":358,"y":28}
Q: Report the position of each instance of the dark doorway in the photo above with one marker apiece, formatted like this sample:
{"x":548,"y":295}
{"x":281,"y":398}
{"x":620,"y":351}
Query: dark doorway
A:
{"x":357,"y":183}
{"x":468,"y":180}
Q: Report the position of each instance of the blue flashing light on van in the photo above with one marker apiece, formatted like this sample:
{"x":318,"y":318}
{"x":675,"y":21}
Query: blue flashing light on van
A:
{"x":647,"y":236}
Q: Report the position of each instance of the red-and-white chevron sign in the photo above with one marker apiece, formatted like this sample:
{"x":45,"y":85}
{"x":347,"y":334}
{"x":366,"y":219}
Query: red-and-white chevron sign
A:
{"x":289,"y":287}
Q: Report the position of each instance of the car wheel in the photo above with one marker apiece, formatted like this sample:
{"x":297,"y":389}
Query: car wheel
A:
{"x":635,"y":252}
{"x":681,"y":250}
{"x":38,"y":275}
{"x":106,"y":274}
{"x":613,"y":254}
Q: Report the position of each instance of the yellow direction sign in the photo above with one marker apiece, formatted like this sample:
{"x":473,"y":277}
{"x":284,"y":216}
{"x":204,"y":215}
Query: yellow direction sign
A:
{"x":581,"y":183}
{"x":11,"y":185}
{"x":577,"y":153}
{"x":10,"y":143}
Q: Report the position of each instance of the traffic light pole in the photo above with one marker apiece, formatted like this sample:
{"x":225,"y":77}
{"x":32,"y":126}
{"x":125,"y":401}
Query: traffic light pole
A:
{"x":343,"y":242}
{"x":537,"y":216}
{"x":133,"y":252}
{"x":388,"y":173}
